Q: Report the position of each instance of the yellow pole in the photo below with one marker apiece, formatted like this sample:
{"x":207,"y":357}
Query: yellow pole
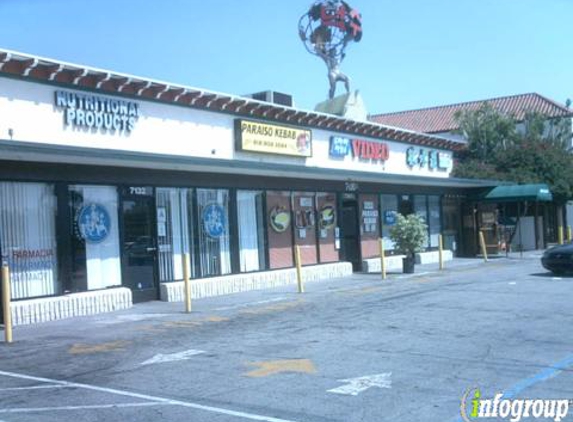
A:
{"x":187,"y":280}
{"x":560,"y":235}
{"x":382,"y":260}
{"x":482,"y":244}
{"x":441,"y":251}
{"x":569,"y":236}
{"x":299,"y":270}
{"x":6,"y":298}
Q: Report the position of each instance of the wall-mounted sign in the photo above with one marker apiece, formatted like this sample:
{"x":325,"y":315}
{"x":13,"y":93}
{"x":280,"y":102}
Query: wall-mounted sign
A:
{"x":272,"y":139}
{"x":95,"y":112}
{"x":351,"y":187}
{"x":340,"y":147}
{"x":214,"y":221}
{"x":94,"y":223}
{"x":139,"y":191}
{"x":279,"y":219}
{"x":425,"y":158}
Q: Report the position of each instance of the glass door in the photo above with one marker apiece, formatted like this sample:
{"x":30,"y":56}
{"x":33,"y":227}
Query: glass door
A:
{"x":139,"y":245}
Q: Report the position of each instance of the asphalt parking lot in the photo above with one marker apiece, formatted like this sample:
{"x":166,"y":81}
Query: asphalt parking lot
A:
{"x":353,"y":349}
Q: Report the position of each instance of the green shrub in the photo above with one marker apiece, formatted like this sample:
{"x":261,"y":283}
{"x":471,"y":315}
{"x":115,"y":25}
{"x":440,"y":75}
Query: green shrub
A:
{"x":410,"y":234}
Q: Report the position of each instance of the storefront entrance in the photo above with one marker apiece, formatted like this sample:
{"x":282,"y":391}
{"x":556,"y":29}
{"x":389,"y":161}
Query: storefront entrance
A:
{"x":351,"y":234}
{"x":139,"y":248}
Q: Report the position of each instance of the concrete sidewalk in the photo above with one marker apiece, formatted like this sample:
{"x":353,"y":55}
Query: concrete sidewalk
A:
{"x":158,"y":312}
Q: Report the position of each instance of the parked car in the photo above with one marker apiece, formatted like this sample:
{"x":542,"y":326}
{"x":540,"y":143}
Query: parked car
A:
{"x":559,"y":259}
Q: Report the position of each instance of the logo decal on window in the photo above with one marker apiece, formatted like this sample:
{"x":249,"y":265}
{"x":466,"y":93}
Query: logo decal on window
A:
{"x":214,"y":220}
{"x":94,"y":223}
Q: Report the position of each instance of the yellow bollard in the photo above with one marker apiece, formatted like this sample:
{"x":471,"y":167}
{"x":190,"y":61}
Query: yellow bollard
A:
{"x":6,"y":306}
{"x":560,"y":235}
{"x":382,"y":260}
{"x":569,"y":237}
{"x":187,"y":280}
{"x":482,"y":244}
{"x":299,"y":270}
{"x":441,"y":251}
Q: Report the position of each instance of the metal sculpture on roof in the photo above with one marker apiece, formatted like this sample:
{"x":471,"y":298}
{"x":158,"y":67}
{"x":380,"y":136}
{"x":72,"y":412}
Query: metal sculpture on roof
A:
{"x":326,"y":29}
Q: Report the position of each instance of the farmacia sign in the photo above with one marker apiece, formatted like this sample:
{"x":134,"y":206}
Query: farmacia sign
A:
{"x":95,"y":112}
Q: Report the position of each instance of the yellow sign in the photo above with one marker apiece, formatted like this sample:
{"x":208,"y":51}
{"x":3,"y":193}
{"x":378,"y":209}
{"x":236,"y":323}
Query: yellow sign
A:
{"x":273,"y":139}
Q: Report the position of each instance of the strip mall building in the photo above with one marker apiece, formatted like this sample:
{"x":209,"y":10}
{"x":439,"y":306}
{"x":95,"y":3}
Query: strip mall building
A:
{"x":106,"y":180}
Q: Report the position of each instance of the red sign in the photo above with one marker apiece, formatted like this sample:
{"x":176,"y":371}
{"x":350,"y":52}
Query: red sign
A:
{"x":369,"y":150}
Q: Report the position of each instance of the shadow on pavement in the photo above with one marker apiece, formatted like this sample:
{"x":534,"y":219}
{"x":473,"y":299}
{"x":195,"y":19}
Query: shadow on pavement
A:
{"x":551,"y":275}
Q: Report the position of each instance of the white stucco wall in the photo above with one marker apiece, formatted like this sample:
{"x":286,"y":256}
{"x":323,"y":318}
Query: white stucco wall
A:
{"x":29,"y":111}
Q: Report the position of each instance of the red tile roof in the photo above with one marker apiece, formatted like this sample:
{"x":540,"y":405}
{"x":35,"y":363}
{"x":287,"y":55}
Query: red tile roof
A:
{"x":441,"y":119}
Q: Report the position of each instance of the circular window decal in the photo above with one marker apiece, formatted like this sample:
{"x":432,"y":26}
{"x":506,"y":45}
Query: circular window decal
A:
{"x":279,"y":219}
{"x":214,"y":221}
{"x":94,"y":223}
{"x":327,"y":217}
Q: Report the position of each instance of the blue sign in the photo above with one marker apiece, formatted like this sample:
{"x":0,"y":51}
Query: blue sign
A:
{"x":389,"y":217}
{"x":214,"y":221}
{"x":339,"y":147}
{"x":94,"y":223}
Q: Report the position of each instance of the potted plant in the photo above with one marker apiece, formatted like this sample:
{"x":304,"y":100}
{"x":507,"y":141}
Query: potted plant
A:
{"x":410,"y":235}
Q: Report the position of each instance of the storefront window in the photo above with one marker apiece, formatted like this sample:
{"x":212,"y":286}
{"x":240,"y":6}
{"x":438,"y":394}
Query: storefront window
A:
{"x":452,"y":222}
{"x":305,"y":226}
{"x":213,"y":233}
{"x":389,"y":206}
{"x":28,"y":238}
{"x":434,"y":219}
{"x":279,"y":218}
{"x":327,"y":223}
{"x":421,"y":208}
{"x":94,"y":236}
{"x":369,"y":225}
{"x":251,"y":222}
{"x":174,"y":232}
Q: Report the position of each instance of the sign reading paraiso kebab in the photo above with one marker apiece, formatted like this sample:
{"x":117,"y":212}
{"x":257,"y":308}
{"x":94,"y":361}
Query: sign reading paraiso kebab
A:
{"x":272,"y":139}
{"x":96,"y":112}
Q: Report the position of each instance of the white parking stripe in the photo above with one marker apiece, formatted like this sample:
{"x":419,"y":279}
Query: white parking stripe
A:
{"x":87,"y":407}
{"x":198,"y":406}
{"x":36,"y":387}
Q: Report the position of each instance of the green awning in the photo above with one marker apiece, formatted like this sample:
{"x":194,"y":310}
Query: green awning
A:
{"x":518,"y":193}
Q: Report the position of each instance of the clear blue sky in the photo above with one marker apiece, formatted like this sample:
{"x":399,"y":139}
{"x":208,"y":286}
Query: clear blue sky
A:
{"x":414,"y":53}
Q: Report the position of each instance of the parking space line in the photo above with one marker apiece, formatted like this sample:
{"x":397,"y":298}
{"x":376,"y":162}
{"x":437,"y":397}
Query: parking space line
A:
{"x":550,"y":372}
{"x":86,"y":407}
{"x":35,"y":387}
{"x":154,"y":399}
